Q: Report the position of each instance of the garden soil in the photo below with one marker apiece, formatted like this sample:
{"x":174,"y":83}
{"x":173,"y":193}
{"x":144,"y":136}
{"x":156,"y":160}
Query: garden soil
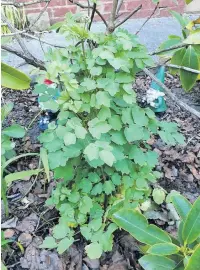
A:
{"x":30,"y":220}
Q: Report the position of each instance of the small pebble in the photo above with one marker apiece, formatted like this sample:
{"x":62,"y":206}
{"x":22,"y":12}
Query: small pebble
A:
{"x":9,"y":233}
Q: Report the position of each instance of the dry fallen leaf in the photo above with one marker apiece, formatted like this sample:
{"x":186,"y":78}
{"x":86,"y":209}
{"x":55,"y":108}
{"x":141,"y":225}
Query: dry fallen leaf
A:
{"x":11,"y":223}
{"x":28,"y":224}
{"x":194,"y":171}
{"x":25,"y":239}
{"x":37,"y":259}
{"x":188,"y":158}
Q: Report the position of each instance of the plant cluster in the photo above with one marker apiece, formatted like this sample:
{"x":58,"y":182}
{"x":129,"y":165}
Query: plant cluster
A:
{"x":98,"y":146}
{"x":16,"y":16}
{"x":163,"y":251}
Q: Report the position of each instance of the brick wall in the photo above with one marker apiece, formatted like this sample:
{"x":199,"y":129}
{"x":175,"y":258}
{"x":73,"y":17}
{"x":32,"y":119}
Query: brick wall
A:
{"x":58,"y":8}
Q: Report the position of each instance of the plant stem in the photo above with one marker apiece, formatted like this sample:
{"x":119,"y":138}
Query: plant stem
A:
{"x":33,"y":120}
{"x":105,"y":195}
{"x":84,"y":55}
{"x":20,"y":156}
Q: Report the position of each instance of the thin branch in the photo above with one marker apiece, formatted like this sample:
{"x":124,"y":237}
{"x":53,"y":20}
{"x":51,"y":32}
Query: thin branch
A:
{"x":40,"y":14}
{"x":92,"y":16}
{"x":43,"y":41}
{"x":171,"y":95}
{"x":120,"y":2}
{"x":18,"y":5}
{"x":181,"y":45}
{"x":88,"y":1}
{"x":129,"y":16}
{"x":148,"y":18}
{"x":34,"y":62}
{"x":17,"y":36}
{"x":184,"y":68}
{"x":13,"y":34}
{"x":83,"y":6}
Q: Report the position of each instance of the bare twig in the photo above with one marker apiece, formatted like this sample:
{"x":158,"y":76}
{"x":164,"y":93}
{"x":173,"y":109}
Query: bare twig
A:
{"x":34,"y":62}
{"x":181,"y":45}
{"x":120,"y":2}
{"x":84,"y":6}
{"x":17,"y":36}
{"x":88,"y":1}
{"x":184,"y":68}
{"x":148,"y":19}
{"x":129,"y":16}
{"x":43,"y":41}
{"x":92,"y":16}
{"x":13,"y":34}
{"x":40,"y":14}
{"x":33,"y":120}
{"x":22,"y":4}
{"x":171,"y":95}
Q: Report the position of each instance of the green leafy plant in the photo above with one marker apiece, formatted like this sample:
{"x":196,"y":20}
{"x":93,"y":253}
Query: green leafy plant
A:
{"x":8,"y":154}
{"x":4,"y":246}
{"x":163,"y":250}
{"x":97,"y":147}
{"x":4,"y":242}
{"x":185,"y":59}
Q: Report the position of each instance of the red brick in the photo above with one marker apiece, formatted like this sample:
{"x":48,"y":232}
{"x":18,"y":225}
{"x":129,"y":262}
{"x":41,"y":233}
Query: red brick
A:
{"x":58,"y":8}
{"x":107,"y":7}
{"x":55,"y":3}
{"x":61,"y":11}
{"x":131,"y":5}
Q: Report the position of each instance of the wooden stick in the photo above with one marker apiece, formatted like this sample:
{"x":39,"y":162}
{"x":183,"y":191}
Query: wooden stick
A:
{"x":184,"y":68}
{"x":181,"y":45}
{"x":171,"y":95}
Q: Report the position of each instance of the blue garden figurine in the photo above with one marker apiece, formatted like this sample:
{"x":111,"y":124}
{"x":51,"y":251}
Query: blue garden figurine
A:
{"x":159,"y":103}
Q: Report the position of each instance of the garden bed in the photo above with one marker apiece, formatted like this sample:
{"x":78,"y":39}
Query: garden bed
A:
{"x":32,"y":221}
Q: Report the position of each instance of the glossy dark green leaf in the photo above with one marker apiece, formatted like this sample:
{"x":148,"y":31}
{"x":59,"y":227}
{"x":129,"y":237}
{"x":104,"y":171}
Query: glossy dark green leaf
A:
{"x":182,"y":205}
{"x":136,"y":224}
{"x":163,"y":249}
{"x":177,"y":59}
{"x":155,"y":262}
{"x":190,"y":60}
{"x":191,"y":228}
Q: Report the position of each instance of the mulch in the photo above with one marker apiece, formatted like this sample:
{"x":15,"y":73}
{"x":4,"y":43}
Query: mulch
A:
{"x":32,"y":221}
